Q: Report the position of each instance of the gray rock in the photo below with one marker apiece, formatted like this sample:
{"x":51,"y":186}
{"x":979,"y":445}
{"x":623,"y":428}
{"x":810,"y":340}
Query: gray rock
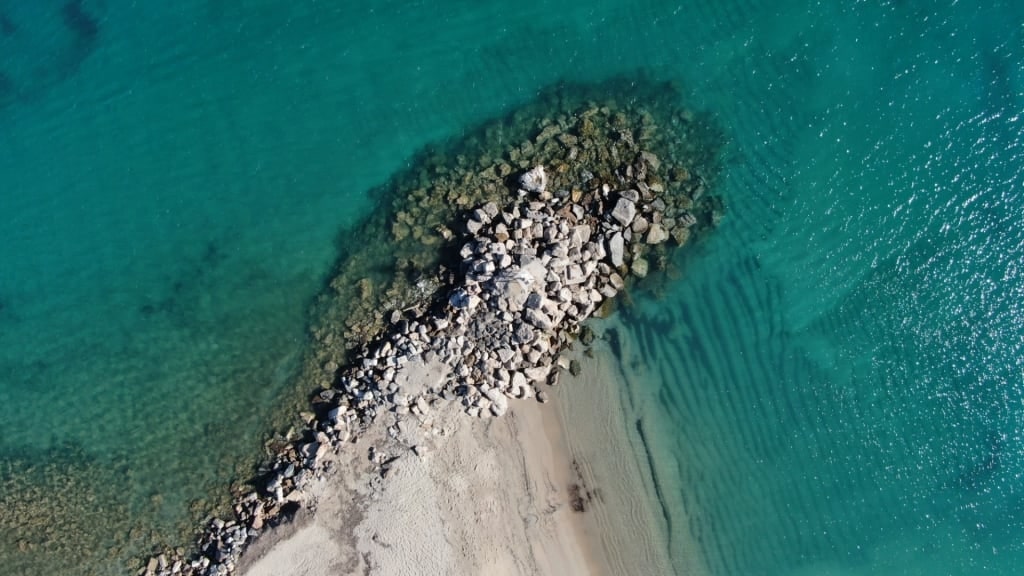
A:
{"x":512,"y":285}
{"x":656,"y":234}
{"x":574,"y":275}
{"x":483,"y":267}
{"x":459,"y":299}
{"x":524,"y":334}
{"x":499,"y":404}
{"x":640,"y":267}
{"x":624,"y":211}
{"x":480,"y":215}
{"x":580,"y":235}
{"x":534,"y":300}
{"x":616,"y":246}
{"x":538,"y":319}
{"x":422,"y":405}
{"x":535,"y":181}
{"x":559,"y":249}
{"x":640,"y":225}
{"x":537,"y":374}
{"x":558,"y":264}
{"x":518,"y":380}
{"x":335,"y":415}
{"x":491,"y":209}
{"x":542,"y":345}
{"x":616,"y":281}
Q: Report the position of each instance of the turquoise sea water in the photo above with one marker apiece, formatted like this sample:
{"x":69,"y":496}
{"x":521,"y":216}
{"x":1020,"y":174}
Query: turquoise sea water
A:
{"x":834,"y":387}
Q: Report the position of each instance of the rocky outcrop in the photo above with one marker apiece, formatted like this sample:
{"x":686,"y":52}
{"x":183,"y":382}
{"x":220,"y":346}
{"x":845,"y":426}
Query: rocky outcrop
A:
{"x":519,"y":271}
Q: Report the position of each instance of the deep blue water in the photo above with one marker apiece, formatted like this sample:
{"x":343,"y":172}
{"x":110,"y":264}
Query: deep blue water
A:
{"x":834,"y":387}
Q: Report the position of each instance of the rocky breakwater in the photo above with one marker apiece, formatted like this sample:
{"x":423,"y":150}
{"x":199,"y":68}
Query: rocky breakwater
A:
{"x":518,"y":274}
{"x":533,"y":272}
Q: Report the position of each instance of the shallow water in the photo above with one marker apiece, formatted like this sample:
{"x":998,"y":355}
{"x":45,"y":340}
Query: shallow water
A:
{"x":839,"y":379}
{"x":834,"y":387}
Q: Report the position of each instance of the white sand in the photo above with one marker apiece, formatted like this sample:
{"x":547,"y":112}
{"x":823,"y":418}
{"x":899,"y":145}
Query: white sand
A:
{"x":489,"y":496}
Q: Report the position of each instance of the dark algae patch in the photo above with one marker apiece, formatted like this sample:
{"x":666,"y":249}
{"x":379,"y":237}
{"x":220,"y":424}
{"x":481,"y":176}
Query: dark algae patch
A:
{"x":79,"y":21}
{"x":7,"y":26}
{"x":46,"y":48}
{"x":622,"y":163}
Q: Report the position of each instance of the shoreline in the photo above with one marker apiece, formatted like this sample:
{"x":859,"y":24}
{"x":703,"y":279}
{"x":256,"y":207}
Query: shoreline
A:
{"x":555,"y":489}
{"x":634,"y":525}
{"x":487,"y":496}
{"x":417,"y":371}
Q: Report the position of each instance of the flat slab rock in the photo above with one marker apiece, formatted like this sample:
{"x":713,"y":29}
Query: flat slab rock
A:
{"x":624,"y":211}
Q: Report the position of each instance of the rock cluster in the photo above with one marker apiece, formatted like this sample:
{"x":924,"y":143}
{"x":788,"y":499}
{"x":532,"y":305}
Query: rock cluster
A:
{"x":543,"y":247}
{"x":582,"y":137}
{"x":531,"y":273}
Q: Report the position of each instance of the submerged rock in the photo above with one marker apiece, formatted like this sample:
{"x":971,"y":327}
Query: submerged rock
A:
{"x":656,"y":234}
{"x":640,"y":268}
{"x":535,"y":181}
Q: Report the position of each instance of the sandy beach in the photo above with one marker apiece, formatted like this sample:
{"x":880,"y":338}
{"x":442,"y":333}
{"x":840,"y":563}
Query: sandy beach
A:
{"x":545,"y":489}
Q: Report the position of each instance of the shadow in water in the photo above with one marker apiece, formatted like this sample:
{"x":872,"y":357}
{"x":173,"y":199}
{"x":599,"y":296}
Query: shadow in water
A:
{"x":84,"y":25}
{"x":985,"y":466}
{"x":36,"y":58}
{"x":7,"y":26}
{"x":185,"y":287}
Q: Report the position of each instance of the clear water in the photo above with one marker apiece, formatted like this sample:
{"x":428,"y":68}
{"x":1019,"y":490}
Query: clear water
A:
{"x":834,"y":388}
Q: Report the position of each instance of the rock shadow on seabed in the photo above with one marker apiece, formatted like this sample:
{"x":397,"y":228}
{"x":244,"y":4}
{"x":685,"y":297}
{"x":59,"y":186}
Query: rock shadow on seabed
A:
{"x":37,"y":59}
